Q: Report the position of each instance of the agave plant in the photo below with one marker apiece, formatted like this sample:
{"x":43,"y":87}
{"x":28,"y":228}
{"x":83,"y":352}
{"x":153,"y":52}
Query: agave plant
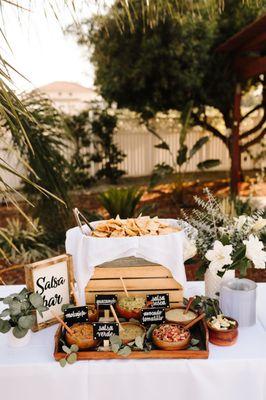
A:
{"x":20,"y":244}
{"x":122,"y":202}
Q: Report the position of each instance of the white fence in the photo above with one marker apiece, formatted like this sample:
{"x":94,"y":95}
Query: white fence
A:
{"x":138,"y":144}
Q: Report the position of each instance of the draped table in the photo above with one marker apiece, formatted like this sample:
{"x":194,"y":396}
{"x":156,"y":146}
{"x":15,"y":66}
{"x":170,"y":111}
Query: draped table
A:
{"x":237,"y":372}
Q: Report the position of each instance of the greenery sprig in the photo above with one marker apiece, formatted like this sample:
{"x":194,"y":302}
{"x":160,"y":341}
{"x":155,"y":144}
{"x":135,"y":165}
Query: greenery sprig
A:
{"x":71,"y":355}
{"x":20,"y":312}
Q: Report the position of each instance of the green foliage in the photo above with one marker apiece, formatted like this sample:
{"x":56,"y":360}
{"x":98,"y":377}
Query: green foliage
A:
{"x":23,"y":244}
{"x":163,"y":66}
{"x":205,"y":305}
{"x":71,"y":355}
{"x":19,"y":314}
{"x":80,"y":130}
{"x":125,"y":350}
{"x":48,"y":136}
{"x":122,"y":202}
{"x":103,"y":128}
{"x":93,"y":134}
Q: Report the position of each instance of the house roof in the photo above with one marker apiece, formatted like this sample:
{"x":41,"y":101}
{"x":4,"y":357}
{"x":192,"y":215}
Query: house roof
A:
{"x":63,"y":86}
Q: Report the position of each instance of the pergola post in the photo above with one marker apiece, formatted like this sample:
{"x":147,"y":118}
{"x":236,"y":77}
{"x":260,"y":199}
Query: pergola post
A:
{"x":234,"y":145}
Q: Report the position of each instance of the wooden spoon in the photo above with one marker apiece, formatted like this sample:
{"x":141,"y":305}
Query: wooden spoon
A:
{"x":124,"y":286}
{"x":194,"y":321}
{"x":62,"y":323}
{"x":116,"y":317}
{"x":190,"y":301}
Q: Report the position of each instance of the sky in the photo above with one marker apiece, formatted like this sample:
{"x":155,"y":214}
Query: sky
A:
{"x":40,"y":49}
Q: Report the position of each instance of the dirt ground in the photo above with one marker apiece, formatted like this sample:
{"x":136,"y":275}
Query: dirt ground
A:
{"x":158,"y":201}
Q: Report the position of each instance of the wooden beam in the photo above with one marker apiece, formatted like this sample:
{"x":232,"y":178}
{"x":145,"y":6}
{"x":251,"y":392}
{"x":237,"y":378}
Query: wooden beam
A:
{"x":247,"y":67}
{"x":235,"y":147}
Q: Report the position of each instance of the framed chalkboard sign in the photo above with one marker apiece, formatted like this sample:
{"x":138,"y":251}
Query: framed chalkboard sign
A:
{"x":104,"y":330}
{"x":152,"y":316}
{"x":103,"y":301}
{"x":158,"y":300}
{"x":74,"y":315}
{"x":52,"y":279}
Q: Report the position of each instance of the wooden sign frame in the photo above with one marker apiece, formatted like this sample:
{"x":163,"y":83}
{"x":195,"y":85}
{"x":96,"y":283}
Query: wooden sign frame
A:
{"x":49,"y":263}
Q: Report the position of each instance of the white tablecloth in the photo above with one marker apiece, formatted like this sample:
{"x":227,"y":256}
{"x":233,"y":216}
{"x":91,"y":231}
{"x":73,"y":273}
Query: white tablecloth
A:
{"x":232,"y":373}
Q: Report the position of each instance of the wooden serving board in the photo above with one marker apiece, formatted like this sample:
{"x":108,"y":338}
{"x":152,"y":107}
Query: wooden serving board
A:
{"x":140,"y":278}
{"x":200,"y":331}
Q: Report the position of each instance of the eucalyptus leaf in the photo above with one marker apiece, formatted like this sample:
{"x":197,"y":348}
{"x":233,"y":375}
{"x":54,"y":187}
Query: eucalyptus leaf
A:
{"x":125,"y":351}
{"x":115,"y":347}
{"x":72,"y":358}
{"x":8,"y":300}
{"x":194,"y":341}
{"x":74,"y":348}
{"x":4,"y":326}
{"x":5,"y":313}
{"x":36,"y":300}
{"x":66,"y":349}
{"x":150,"y":330}
{"x":193,"y":348}
{"x":23,"y":294}
{"x":19,"y":332}
{"x":63,"y":362}
{"x":115,"y":340}
{"x":139,"y":342}
{"x":27,"y":321}
{"x":15,"y":308}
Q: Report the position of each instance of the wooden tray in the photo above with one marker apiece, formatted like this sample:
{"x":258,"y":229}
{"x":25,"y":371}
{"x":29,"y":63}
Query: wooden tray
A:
{"x":200,"y":331}
{"x":140,"y":277}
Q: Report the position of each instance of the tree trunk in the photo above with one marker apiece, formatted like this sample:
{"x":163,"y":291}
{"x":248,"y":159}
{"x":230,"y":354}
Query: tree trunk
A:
{"x":234,"y":144}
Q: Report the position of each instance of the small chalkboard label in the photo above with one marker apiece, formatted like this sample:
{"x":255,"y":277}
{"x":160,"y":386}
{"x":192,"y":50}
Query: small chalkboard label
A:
{"x":103,"y":301}
{"x":152,"y":316}
{"x":104,"y":330}
{"x":158,"y":300}
{"x":73,"y":315}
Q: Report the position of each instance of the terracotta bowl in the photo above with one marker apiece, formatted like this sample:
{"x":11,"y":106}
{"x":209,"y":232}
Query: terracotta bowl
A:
{"x":93,"y":314}
{"x":124,"y":324}
{"x":171,"y":345}
{"x":223,"y":338}
{"x":82,"y":343}
{"x":128,"y":314}
{"x":179,"y":322}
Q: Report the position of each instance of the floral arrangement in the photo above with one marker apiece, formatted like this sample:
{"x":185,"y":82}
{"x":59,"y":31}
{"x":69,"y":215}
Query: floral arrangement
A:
{"x":225,"y":242}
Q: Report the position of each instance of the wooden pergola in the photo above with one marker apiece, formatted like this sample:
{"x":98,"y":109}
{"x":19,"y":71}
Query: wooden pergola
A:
{"x":247,"y":51}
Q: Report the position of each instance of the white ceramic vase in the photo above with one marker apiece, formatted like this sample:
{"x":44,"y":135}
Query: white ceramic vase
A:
{"x":213,"y":282}
{"x":15,"y":342}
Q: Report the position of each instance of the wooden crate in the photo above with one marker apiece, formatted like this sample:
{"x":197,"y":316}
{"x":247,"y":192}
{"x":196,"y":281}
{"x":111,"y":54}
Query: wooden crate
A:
{"x":139,"y":276}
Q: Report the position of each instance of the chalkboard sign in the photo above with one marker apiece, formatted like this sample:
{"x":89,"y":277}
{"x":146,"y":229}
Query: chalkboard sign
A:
{"x":158,"y":300}
{"x":103,"y":301}
{"x":152,"y":316}
{"x":104,"y":330}
{"x":73,"y":315}
{"x":52,"y":279}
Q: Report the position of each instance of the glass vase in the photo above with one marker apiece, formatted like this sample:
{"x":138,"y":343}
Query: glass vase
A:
{"x":213,"y":282}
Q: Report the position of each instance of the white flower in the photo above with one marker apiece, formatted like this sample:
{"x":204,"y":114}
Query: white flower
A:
{"x":259,"y":224}
{"x":219,"y":256}
{"x":254,"y":251}
{"x":240,"y":221}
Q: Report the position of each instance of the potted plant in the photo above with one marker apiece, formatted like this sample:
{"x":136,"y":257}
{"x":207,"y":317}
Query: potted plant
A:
{"x":19,"y":316}
{"x":226,"y":243}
